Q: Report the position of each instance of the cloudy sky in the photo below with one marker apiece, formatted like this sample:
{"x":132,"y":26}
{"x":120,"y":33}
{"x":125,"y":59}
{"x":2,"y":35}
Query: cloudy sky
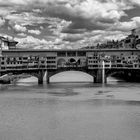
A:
{"x":67,"y":23}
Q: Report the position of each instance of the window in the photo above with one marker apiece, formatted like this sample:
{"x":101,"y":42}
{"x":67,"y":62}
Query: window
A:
{"x":2,"y":63}
{"x":61,"y":53}
{"x":81,"y":53}
{"x":51,"y":57}
{"x":71,"y":53}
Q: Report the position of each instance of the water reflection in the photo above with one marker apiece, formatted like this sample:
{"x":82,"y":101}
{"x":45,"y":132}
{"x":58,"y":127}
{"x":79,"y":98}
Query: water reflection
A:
{"x":70,"y":111}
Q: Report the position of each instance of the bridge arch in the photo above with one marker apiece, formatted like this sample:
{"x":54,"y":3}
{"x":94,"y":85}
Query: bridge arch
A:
{"x":122,"y":74}
{"x":39,"y":74}
{"x":71,"y":75}
{"x":14,"y":77}
{"x":114,"y":72}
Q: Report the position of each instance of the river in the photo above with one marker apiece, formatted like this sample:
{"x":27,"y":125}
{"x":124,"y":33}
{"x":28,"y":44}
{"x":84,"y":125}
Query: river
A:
{"x":70,"y":111}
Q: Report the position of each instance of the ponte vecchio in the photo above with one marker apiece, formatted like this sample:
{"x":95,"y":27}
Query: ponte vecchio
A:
{"x":98,"y":63}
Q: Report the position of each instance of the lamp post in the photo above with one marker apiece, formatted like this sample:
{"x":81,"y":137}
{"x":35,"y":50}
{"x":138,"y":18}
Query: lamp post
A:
{"x":0,"y":47}
{"x":102,"y":62}
{"x":0,"y":53}
{"x":103,"y":71}
{"x":103,"y":59}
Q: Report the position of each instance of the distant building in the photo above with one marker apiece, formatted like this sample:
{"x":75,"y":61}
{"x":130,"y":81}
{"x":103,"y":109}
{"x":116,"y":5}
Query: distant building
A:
{"x":131,"y":41}
{"x":7,"y":44}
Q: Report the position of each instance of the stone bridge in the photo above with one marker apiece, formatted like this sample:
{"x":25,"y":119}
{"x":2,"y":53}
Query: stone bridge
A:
{"x":98,"y":63}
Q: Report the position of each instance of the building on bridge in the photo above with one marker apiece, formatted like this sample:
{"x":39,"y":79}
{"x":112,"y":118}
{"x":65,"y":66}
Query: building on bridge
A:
{"x":7,"y":43}
{"x":37,"y":62}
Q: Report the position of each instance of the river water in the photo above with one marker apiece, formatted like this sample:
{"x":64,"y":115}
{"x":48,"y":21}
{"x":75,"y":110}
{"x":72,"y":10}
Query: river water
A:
{"x":70,"y":111}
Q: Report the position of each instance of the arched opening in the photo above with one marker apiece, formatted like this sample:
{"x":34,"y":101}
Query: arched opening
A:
{"x":71,"y":63}
{"x":72,"y":60}
{"x":71,"y":76}
{"x":61,"y":62}
{"x":26,"y":79}
{"x":115,"y":76}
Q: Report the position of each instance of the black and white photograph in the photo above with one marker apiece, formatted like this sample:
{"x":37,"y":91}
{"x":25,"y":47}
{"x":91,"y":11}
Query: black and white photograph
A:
{"x":69,"y":69}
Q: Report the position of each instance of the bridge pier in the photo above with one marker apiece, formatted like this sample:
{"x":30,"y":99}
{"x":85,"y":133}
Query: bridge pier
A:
{"x":100,"y":77}
{"x":47,"y":79}
{"x":40,"y":77}
{"x":48,"y":75}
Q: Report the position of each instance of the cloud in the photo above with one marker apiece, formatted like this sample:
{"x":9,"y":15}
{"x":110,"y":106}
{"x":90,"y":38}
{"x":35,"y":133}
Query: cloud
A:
{"x":77,"y":11}
{"x":94,"y":37}
{"x":2,"y":21}
{"x":25,"y":18}
{"x":73,"y":37}
{"x":136,"y":2}
{"x":5,"y":11}
{"x":20,"y":28}
{"x":58,"y":26}
{"x":127,"y":26}
{"x":31,"y":42}
{"x":22,"y":34}
{"x":37,"y":32}
{"x":84,"y":15}
{"x":137,"y":21}
{"x":67,"y":22}
{"x":17,"y":2}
